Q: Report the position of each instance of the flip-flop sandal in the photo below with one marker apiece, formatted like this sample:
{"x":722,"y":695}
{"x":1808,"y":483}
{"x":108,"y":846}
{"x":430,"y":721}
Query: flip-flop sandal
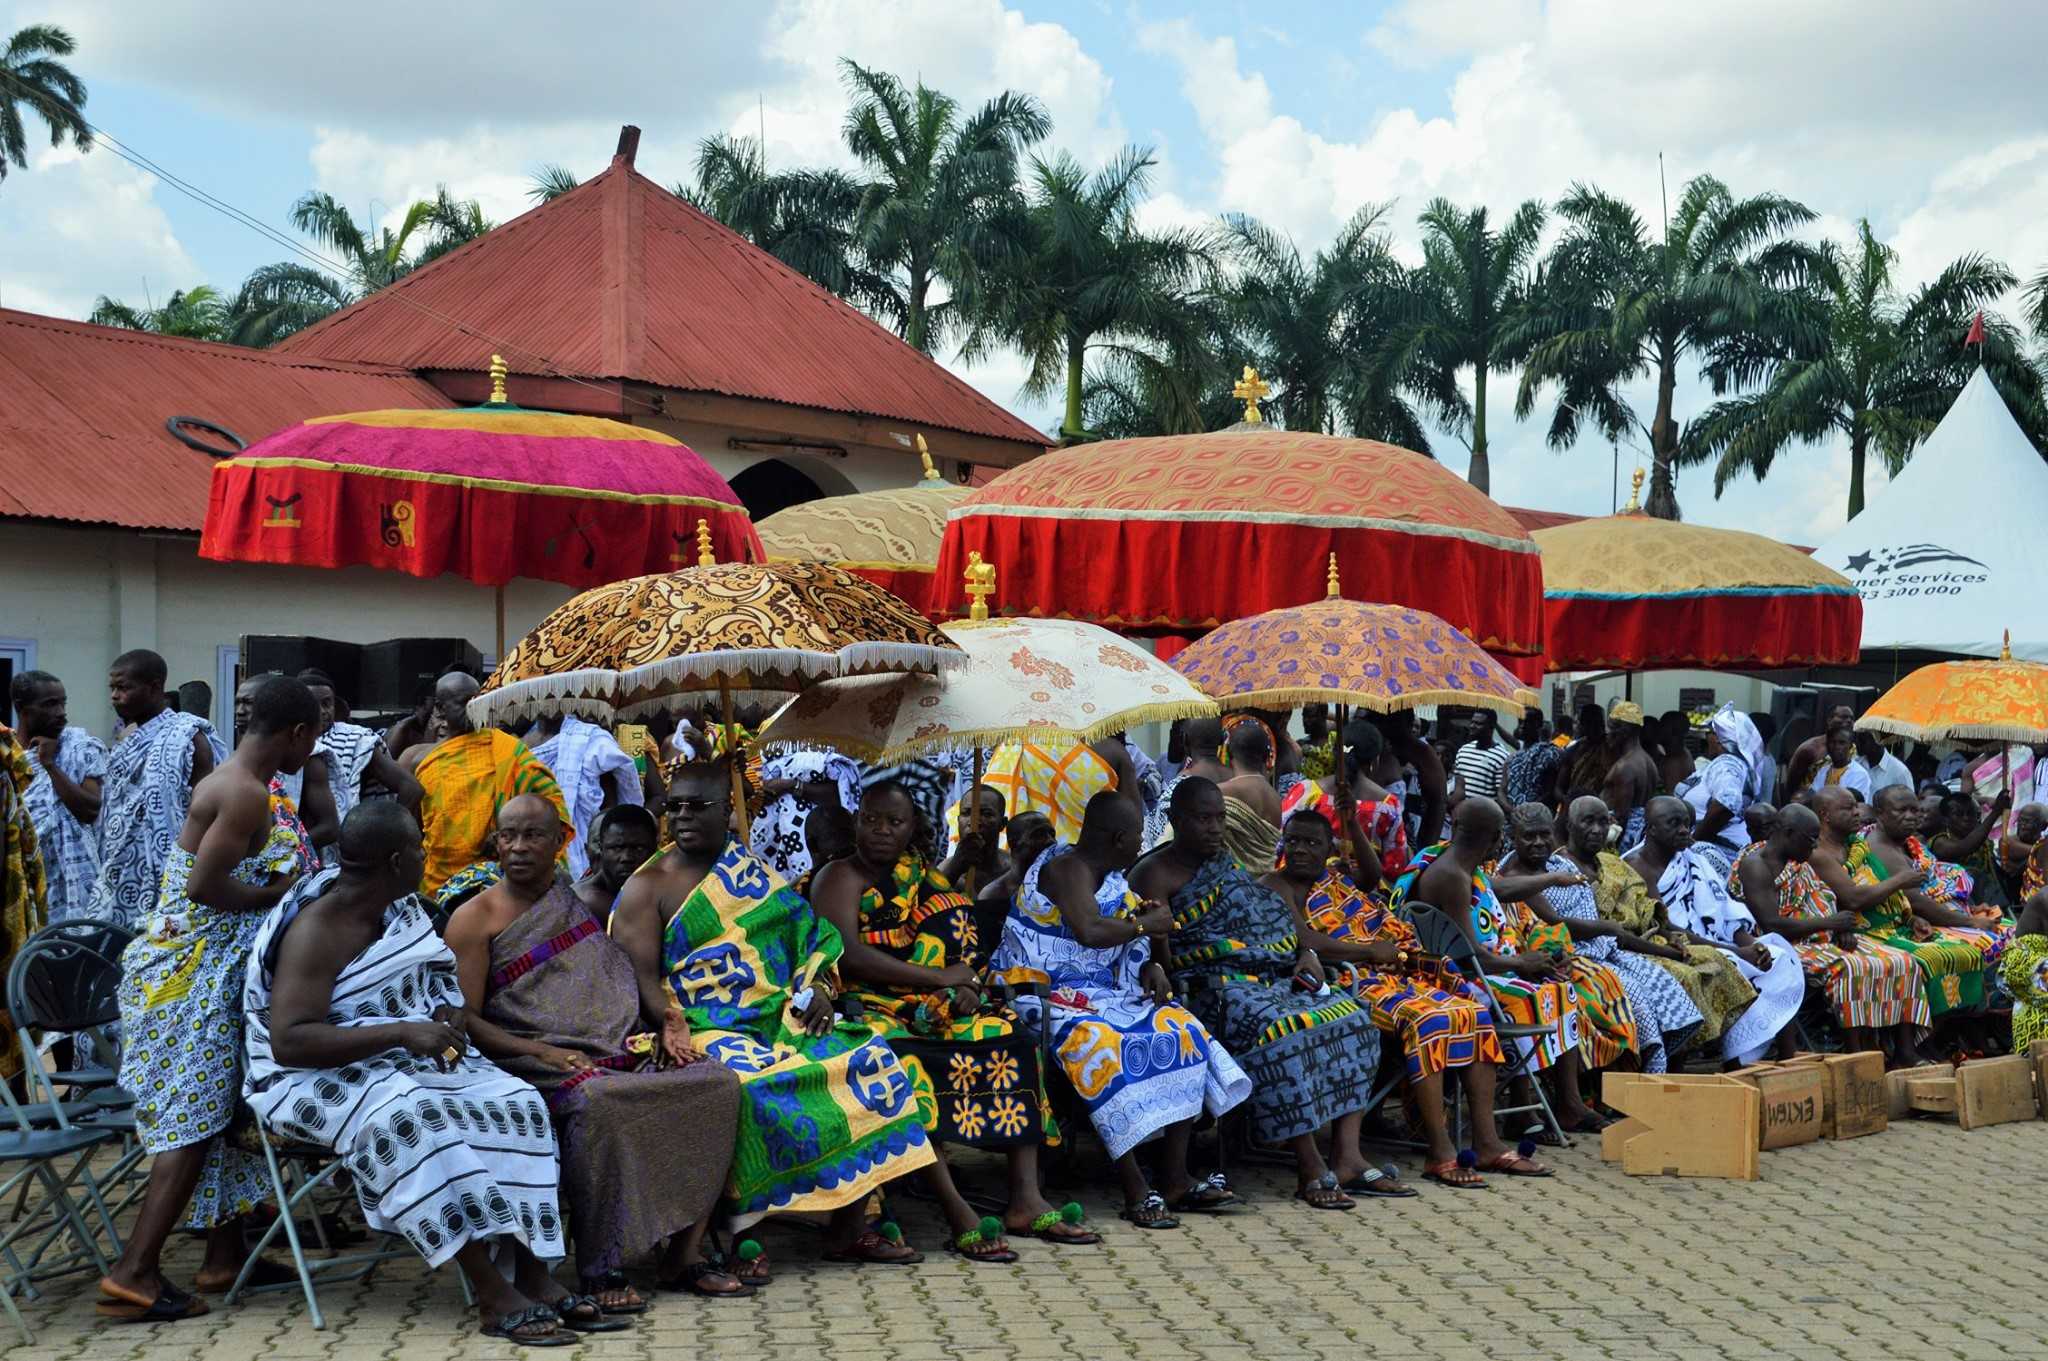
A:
{"x":1542,"y":1135}
{"x":1458,"y":1173}
{"x":1325,"y":1194}
{"x":608,"y":1283}
{"x":586,"y":1315}
{"x":1149,"y":1213}
{"x":1591,"y":1124}
{"x":1211,"y":1195}
{"x":507,"y":1326}
{"x":1382,"y":1182}
{"x":870,"y":1248}
{"x":984,"y":1235}
{"x":692,"y":1280}
{"x":170,"y":1304}
{"x":1517,"y":1163}
{"x":749,"y":1263}
{"x":1068,"y":1216}
{"x":265,"y":1272}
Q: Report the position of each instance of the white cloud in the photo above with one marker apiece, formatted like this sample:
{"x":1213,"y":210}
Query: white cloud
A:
{"x":78,"y":225}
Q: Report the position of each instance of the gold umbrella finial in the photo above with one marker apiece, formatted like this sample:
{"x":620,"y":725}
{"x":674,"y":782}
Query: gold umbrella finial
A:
{"x":981,"y":584}
{"x":705,"y":557}
{"x":1635,"y":493}
{"x":2005,"y":648}
{"x":1336,"y":591}
{"x":931,"y":470}
{"x":1249,"y":390}
{"x":498,"y":372}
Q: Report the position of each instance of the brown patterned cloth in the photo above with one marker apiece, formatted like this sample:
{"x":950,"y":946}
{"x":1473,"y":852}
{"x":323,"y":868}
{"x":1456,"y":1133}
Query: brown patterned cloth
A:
{"x":645,"y":1152}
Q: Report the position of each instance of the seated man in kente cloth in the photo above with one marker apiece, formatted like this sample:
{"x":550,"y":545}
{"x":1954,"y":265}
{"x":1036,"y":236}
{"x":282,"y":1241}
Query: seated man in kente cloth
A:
{"x":1871,"y":988}
{"x":1692,"y":883}
{"x":913,"y":958}
{"x":645,"y":1122}
{"x":1142,"y":1066}
{"x":827,"y":1114}
{"x":357,"y":1043}
{"x":1527,"y":963}
{"x":242,"y":846}
{"x":1666,"y":1019}
{"x":622,"y":839}
{"x":1311,"y":1052}
{"x":465,"y":778}
{"x":1923,"y":918}
{"x":1451,"y":878}
{"x":1441,"y":1019}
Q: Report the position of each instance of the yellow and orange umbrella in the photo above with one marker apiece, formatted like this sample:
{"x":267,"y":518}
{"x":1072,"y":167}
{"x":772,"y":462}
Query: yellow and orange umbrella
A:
{"x":1967,"y":701}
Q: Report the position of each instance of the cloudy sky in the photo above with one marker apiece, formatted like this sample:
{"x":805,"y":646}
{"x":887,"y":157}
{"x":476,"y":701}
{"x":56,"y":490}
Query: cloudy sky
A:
{"x":1926,"y":119}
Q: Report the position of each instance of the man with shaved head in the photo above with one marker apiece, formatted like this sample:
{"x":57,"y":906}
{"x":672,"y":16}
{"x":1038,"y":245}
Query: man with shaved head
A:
{"x":1201,"y":741}
{"x":465,"y":777}
{"x":1920,"y":910}
{"x":1874,"y":990}
{"x":1451,"y":878}
{"x":646,"y":1124}
{"x":2023,"y":854}
{"x":1692,"y":882}
{"x":1666,"y":1019}
{"x":357,"y":1042}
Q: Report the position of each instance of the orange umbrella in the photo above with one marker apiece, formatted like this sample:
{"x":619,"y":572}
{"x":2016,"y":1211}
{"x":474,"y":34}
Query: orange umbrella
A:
{"x":1967,"y":701}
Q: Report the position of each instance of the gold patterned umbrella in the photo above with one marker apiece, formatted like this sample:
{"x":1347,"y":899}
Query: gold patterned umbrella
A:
{"x":1968,"y":701}
{"x":630,"y":647}
{"x":888,"y":537}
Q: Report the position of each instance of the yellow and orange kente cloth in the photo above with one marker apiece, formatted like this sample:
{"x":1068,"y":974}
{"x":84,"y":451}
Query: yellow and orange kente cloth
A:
{"x":465,"y":781}
{"x":1053,"y":778}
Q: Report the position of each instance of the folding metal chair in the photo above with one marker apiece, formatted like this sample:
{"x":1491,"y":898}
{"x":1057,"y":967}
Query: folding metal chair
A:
{"x":39,"y":1154}
{"x":1451,"y":940}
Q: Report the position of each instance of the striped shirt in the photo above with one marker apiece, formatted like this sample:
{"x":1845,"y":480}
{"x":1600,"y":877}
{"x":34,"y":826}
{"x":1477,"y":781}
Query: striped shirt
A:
{"x":1479,"y":769}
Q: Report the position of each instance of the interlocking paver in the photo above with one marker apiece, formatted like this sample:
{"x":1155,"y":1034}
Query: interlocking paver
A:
{"x":1841,"y":1250}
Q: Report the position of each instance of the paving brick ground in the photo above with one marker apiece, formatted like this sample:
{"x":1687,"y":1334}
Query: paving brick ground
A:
{"x":1923,"y":1242}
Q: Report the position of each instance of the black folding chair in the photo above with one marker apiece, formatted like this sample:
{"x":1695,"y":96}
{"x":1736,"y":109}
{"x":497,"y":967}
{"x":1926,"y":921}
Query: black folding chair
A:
{"x":32,"y":1158}
{"x":1451,"y":940}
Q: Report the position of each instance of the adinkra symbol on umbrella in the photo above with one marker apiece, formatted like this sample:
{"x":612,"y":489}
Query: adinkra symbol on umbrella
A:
{"x":577,"y":528}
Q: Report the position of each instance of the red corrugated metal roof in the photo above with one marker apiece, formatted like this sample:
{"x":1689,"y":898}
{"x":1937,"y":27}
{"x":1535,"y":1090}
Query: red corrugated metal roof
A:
{"x":82,"y":412}
{"x":620,"y":279}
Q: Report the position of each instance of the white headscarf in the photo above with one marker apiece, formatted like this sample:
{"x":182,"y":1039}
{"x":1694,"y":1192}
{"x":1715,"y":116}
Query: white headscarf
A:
{"x":1739,"y":736}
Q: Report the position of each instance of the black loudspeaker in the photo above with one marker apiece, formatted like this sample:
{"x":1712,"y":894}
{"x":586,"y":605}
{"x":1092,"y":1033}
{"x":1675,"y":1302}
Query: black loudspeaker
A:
{"x":343,"y":662}
{"x":398,"y":673}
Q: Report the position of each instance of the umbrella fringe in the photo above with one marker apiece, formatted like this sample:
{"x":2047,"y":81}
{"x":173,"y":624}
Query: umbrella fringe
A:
{"x":2016,"y":733}
{"x":1167,"y":711}
{"x":1295,"y":697}
{"x":867,"y":657}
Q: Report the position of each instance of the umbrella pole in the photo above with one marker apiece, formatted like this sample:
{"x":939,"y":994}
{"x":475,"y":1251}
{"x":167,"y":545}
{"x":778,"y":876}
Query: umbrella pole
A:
{"x":973,"y":819}
{"x":735,"y":760}
{"x":1341,"y":777}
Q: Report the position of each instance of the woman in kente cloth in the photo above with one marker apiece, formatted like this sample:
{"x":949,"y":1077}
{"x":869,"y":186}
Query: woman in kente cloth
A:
{"x":913,"y":960}
{"x":1375,"y":814}
{"x":2024,"y":971}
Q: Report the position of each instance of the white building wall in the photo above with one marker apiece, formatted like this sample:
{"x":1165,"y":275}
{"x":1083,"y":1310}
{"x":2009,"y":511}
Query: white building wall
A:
{"x":87,"y":595}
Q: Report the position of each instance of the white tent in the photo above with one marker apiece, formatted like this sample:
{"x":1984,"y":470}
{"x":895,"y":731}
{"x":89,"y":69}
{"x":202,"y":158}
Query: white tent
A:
{"x":1948,"y":556}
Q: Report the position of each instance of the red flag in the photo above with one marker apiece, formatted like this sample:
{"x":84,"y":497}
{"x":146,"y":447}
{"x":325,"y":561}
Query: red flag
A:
{"x":1976,"y":336}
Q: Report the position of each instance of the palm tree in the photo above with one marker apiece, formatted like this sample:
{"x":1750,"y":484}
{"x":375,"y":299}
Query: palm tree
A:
{"x":803,"y":218}
{"x":550,"y":182}
{"x":1317,"y":328}
{"x":1461,"y":310}
{"x":32,"y":80}
{"x":1721,"y":286}
{"x":941,"y":203}
{"x":1089,"y":279}
{"x":198,"y":313}
{"x":1890,"y":366}
{"x":280,"y":299}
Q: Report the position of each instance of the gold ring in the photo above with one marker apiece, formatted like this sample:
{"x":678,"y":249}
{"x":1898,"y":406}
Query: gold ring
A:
{"x":451,"y":1054}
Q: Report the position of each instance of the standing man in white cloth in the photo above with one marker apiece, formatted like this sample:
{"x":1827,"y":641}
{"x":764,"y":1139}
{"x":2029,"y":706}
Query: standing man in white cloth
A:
{"x":356,"y":1042}
{"x":594,"y":772}
{"x":1693,"y":883}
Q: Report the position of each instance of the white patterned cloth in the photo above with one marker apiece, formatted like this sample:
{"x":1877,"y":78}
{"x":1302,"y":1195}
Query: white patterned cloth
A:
{"x":143,"y":802}
{"x":1725,"y":781}
{"x":580,"y":756}
{"x":71,"y":852}
{"x":441,"y":1157}
{"x":1138,"y":1066}
{"x":777,"y":836}
{"x":1665,"y":1017}
{"x":1694,"y":887}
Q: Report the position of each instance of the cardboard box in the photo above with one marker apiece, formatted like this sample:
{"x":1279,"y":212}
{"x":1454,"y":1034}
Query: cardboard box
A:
{"x":2038,"y":1052}
{"x":1857,"y":1100}
{"x":1898,"y":1104}
{"x":1683,"y":1125}
{"x":1793,"y":1099}
{"x":1995,"y":1091}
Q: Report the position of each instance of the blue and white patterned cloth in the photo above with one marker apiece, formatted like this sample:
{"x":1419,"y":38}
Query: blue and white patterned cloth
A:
{"x":71,"y":852}
{"x":143,"y":802}
{"x":580,"y":755}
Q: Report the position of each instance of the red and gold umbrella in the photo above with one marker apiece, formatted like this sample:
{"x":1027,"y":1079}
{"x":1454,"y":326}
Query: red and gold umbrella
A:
{"x":1181,"y":533}
{"x":1633,"y":593}
{"x":489,"y":493}
{"x":888,"y":537}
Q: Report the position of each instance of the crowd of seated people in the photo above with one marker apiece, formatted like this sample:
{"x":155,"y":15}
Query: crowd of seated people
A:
{"x":640,"y":1050}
